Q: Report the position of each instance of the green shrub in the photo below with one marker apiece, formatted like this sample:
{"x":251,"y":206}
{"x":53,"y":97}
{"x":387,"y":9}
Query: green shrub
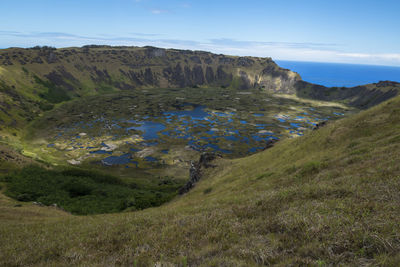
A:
{"x":207,"y":190}
{"x":309,"y":168}
{"x":264,"y":175}
{"x":25,"y":70}
{"x":54,"y":94}
{"x":45,"y":106}
{"x":83,"y":192}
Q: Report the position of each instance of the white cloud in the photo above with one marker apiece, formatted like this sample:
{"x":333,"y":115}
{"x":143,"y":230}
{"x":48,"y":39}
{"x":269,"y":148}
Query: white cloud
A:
{"x":318,"y":52}
{"x":159,"y":11}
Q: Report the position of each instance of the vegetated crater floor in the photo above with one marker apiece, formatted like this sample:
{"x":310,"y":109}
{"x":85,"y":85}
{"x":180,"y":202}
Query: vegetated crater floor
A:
{"x":158,"y":131}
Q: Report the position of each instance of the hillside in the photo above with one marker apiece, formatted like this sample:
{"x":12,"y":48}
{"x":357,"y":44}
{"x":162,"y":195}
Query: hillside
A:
{"x":327,"y":198}
{"x":33,"y":80}
{"x":362,"y":96}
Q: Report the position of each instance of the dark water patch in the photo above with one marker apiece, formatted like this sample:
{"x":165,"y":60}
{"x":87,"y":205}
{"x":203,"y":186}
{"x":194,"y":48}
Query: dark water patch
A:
{"x":255,"y":149}
{"x":151,"y":159}
{"x":135,"y":163}
{"x":167,"y":133}
{"x":150,"y":143}
{"x":104,"y":144}
{"x":224,"y":115}
{"x":197,"y":113}
{"x":245,"y":139}
{"x":101,"y":152}
{"x":338,"y":114}
{"x":165,"y":151}
{"x":50,"y":145}
{"x":117,"y":160}
{"x":295,"y":125}
{"x":259,"y":138}
{"x":231,"y":138}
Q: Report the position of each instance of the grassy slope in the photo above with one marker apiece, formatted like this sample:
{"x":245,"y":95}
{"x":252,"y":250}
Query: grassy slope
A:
{"x":363,"y":96}
{"x":330,"y":197}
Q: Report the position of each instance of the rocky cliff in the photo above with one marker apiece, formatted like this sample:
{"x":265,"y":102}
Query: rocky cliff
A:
{"x":124,"y":68}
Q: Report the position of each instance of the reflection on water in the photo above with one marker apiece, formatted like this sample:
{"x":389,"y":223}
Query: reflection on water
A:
{"x":117,"y":160}
{"x":198,"y":128}
{"x":150,"y":129}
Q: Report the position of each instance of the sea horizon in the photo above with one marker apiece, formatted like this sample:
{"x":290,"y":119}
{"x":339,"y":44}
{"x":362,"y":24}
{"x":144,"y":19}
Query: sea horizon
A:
{"x":341,"y":74}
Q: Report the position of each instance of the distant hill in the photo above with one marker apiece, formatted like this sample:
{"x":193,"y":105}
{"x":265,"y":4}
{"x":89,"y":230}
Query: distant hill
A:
{"x":362,"y":96}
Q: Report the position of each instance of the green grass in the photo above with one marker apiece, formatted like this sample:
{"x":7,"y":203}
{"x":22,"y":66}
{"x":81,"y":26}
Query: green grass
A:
{"x":308,"y":201}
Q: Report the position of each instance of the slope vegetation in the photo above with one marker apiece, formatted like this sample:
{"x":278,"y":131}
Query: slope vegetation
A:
{"x":33,"y":80}
{"x":330,"y":197}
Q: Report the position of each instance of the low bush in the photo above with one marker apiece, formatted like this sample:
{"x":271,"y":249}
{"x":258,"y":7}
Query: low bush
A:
{"x":81,"y":191}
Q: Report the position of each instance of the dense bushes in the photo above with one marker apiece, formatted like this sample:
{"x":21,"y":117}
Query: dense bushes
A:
{"x":54,"y":94}
{"x":83,"y":192}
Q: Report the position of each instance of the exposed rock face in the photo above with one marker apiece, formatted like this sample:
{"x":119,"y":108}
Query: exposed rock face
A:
{"x":140,"y":67}
{"x":319,"y":125}
{"x":245,"y":62}
{"x":195,"y":171}
{"x":210,"y":78}
{"x":245,"y":81}
{"x":206,"y":159}
{"x":270,"y":143}
{"x":278,"y":80}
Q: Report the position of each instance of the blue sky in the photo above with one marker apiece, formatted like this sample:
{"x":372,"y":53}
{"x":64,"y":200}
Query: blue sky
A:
{"x":351,"y":31}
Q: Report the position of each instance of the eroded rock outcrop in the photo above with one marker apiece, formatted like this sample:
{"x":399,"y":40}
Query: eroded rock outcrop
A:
{"x":195,"y":171}
{"x":146,"y":67}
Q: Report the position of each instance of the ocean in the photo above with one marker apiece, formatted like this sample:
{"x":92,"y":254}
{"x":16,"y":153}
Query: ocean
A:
{"x":337,"y":74}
